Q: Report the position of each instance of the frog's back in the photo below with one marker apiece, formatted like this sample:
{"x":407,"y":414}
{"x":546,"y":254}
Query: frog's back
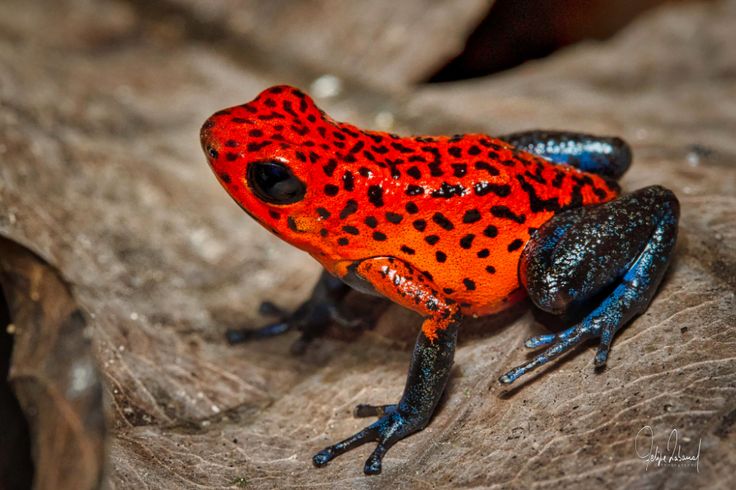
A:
{"x":460,"y":209}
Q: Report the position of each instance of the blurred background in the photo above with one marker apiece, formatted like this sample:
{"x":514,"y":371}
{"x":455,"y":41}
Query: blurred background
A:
{"x":122,"y":262}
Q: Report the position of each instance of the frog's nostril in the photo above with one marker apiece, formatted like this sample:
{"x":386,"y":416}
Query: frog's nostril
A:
{"x":212,"y":152}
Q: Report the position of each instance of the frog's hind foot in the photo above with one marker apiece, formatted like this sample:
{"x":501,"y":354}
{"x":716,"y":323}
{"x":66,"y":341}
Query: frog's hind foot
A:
{"x":628,"y":246}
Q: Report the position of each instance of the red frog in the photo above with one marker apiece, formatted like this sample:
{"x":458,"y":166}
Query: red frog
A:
{"x":447,"y":226}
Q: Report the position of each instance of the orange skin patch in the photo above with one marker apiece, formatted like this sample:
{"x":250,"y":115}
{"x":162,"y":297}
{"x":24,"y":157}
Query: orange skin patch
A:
{"x":457,"y":210}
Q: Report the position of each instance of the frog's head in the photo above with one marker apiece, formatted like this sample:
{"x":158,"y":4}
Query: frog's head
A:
{"x":268,"y":155}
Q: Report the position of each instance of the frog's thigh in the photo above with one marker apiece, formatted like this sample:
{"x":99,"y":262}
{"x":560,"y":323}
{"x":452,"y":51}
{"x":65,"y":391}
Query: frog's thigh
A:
{"x":407,"y":286}
{"x":603,"y":155}
{"x":582,"y":251}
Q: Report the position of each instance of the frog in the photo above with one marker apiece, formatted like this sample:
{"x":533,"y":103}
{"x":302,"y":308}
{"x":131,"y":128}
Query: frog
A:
{"x":451,"y":227}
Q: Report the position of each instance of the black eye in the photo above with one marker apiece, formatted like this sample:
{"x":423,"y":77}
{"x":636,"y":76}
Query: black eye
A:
{"x":274,"y":183}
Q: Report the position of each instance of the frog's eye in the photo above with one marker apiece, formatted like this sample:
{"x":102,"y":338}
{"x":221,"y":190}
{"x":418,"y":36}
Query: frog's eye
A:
{"x":274,"y":183}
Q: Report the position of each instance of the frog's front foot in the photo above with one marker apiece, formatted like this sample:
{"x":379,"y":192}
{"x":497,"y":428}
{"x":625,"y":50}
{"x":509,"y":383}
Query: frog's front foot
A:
{"x":428,"y":373}
{"x":394,"y":425}
{"x":312,"y":318}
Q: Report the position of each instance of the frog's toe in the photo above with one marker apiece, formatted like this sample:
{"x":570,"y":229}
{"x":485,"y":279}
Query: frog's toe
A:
{"x":240,"y":335}
{"x":387,"y":431}
{"x":539,"y":340}
{"x":575,"y":336}
{"x":547,"y":339}
{"x":363,"y":410}
{"x":604,"y":347}
{"x":269,"y":308}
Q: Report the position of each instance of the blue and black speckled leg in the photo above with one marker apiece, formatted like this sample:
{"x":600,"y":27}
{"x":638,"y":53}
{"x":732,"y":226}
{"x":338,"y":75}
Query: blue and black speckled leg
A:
{"x":606,"y":156}
{"x":625,"y":245}
{"x":429,"y":371}
{"x":311,"y":318}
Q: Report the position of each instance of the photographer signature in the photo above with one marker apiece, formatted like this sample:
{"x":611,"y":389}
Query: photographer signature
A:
{"x":673,"y":454}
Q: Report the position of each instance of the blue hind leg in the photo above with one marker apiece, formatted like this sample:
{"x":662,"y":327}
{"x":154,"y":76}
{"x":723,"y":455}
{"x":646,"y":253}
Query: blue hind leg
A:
{"x":606,"y":156}
{"x":624,"y":246}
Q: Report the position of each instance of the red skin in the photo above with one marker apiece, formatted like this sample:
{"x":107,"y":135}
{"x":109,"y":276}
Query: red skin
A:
{"x":466,"y":173}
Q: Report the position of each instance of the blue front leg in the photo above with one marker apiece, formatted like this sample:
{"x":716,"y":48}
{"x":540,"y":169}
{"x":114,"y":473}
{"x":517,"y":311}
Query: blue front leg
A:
{"x":626,"y":245}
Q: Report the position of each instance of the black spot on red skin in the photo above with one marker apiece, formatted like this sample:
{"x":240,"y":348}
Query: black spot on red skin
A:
{"x":323,"y":213}
{"x":378,"y":236}
{"x":411,"y":208}
{"x":231,"y":143}
{"x":490,"y":269}
{"x":375,"y":195}
{"x":471,"y":216}
{"x":323,"y":232}
{"x":442,"y":221}
{"x":401,"y":148}
{"x":469,"y":284}
{"x":448,"y":290}
{"x":231,"y":157}
{"x":257,"y":146}
{"x":506,"y":213}
{"x":482,"y":254}
{"x":440,"y":256}
{"x":414,"y":172}
{"x":274,"y":215}
{"x":467,"y":241}
{"x":357,"y":147}
{"x":491,"y":231}
{"x":515,"y":245}
{"x":420,"y":225}
{"x":536,"y":203}
{"x":329,"y":169}
{"x":414,"y":190}
{"x":225,"y":178}
{"x":371,"y":221}
{"x":407,"y":250}
{"x":487,"y":167}
{"x":448,"y":191}
{"x":455,"y":151}
{"x":348,"y":181}
{"x":342,"y":241}
{"x":431,"y":239}
{"x":331,"y":190}
{"x":473,"y":150}
{"x":459,"y":169}
{"x":350,"y":207}
{"x":291,"y":223}
{"x":484,"y":188}
{"x":350,"y":230}
{"x":394,"y":218}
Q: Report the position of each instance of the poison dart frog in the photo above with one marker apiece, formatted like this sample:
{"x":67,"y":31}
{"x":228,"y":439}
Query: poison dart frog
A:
{"x":447,"y":226}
